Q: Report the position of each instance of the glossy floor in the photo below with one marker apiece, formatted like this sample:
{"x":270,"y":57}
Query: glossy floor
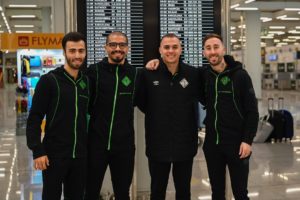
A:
{"x":274,"y":174}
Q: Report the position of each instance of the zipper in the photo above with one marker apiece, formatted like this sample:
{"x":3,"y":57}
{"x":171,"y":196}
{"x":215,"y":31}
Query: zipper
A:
{"x":76,"y":113}
{"x":113,"y":110}
{"x":215,"y":107}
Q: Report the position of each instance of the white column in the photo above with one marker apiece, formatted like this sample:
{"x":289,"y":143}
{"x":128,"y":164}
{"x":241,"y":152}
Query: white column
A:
{"x":253,"y":49}
{"x":46,"y":17}
{"x":58,"y":16}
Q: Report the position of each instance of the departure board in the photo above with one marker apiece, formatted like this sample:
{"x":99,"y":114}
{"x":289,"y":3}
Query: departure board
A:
{"x":105,"y":16}
{"x":190,"y":20}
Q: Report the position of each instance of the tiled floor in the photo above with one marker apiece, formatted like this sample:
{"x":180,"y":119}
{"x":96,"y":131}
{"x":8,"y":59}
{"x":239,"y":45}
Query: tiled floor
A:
{"x":274,"y":174}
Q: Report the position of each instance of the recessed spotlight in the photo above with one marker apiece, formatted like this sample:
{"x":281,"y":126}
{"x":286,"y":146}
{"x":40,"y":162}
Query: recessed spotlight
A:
{"x":24,"y":31}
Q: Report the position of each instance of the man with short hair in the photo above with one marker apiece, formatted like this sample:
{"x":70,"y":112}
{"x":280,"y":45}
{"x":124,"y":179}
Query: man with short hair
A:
{"x":169,"y":98}
{"x":62,"y":95}
{"x":111,"y":132}
{"x":231,"y":120}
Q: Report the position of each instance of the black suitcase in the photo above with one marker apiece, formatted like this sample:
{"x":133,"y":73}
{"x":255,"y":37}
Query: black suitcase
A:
{"x":288,"y":130}
{"x":277,"y":119}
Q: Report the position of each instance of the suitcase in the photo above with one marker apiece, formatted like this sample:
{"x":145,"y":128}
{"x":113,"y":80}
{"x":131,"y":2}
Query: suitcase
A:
{"x":277,"y":120}
{"x":264,"y":130}
{"x":289,"y":120}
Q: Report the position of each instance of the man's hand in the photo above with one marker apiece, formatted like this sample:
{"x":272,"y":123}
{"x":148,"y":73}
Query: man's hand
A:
{"x":245,"y":150}
{"x":41,"y":163}
{"x":152,"y":64}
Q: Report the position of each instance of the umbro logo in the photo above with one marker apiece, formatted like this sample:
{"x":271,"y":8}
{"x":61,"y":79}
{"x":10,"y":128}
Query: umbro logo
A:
{"x":155,"y":83}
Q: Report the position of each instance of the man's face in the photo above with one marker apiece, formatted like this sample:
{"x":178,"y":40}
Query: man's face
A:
{"x":116,"y":49}
{"x":75,"y":53}
{"x":170,"y":50}
{"x":214,"y":51}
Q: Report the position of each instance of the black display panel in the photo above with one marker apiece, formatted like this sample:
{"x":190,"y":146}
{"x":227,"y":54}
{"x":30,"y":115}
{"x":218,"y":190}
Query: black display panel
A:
{"x":191,"y":21}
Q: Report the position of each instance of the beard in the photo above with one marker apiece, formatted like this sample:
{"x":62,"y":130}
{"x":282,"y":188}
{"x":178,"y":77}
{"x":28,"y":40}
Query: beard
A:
{"x":72,"y":64}
{"x":117,"y":59}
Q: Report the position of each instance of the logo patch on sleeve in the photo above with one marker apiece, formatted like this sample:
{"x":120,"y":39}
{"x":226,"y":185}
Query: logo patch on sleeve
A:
{"x":126,"y":81}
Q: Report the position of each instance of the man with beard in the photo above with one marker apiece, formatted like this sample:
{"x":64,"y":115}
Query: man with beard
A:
{"x":231,"y":120}
{"x":111,"y":132}
{"x":62,"y":96}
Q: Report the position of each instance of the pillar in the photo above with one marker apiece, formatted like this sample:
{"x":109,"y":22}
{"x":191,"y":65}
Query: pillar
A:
{"x":253,"y":49}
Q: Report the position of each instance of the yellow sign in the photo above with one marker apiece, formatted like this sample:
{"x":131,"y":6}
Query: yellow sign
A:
{"x":31,"y":41}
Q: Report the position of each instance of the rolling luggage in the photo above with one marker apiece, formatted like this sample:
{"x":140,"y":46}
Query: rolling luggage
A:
{"x":277,"y":120}
{"x":288,"y":132}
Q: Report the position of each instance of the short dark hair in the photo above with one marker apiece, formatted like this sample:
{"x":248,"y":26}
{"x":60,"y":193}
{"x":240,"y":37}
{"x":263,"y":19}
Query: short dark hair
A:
{"x":118,"y":33}
{"x":169,"y":35}
{"x":211,"y":35}
{"x":74,"y":37}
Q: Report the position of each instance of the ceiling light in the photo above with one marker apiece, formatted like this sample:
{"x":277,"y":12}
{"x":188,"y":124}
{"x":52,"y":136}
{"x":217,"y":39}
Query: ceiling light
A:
{"x":290,"y":18}
{"x":267,"y":37}
{"x":281,"y":16}
{"x":249,"y":1}
{"x":242,"y":26}
{"x":265,"y":19}
{"x":292,"y":9}
{"x":1,"y":31}
{"x":294,"y":32}
{"x":297,"y":27}
{"x":277,"y":27}
{"x":232,"y":32}
{"x":289,"y":190}
{"x":294,"y":37}
{"x":246,"y":8}
{"x":276,"y":40}
{"x":234,"y":6}
{"x":1,"y":8}
{"x":277,"y":32}
{"x":23,"y":16}
{"x":24,"y":31}
{"x":299,"y":13}
{"x":232,"y":28}
{"x":21,"y":6}
{"x":23,"y":26}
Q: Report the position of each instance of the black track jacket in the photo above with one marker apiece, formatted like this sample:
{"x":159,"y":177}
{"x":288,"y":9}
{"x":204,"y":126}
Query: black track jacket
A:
{"x":111,"y":124}
{"x":170,"y":106}
{"x":231,"y":105}
{"x":64,"y":101}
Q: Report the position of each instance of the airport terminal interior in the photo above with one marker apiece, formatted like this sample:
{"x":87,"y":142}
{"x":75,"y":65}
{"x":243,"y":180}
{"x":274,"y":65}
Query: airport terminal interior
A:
{"x":263,"y":34}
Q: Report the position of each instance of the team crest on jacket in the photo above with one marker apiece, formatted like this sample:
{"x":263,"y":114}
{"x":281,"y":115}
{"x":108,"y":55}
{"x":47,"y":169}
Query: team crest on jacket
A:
{"x":225,"y":80}
{"x":126,"y":81}
{"x":82,"y":84}
{"x":184,"y":83}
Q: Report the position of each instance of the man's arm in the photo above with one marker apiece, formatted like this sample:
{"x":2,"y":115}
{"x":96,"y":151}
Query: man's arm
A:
{"x":250,"y":108}
{"x":40,"y":102}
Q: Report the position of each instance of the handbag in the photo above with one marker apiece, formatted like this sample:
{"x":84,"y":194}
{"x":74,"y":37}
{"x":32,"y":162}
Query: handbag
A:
{"x":264,"y":129}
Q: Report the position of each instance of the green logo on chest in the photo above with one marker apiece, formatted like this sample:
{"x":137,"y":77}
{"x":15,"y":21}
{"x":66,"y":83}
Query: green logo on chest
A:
{"x":126,"y":81}
{"x":225,"y":80}
{"x":82,"y":84}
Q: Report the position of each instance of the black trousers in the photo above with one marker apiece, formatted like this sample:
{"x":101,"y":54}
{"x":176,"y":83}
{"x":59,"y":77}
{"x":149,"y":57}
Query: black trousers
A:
{"x":217,"y":158}
{"x":69,"y":174}
{"x":121,"y":167}
{"x":182,"y":174}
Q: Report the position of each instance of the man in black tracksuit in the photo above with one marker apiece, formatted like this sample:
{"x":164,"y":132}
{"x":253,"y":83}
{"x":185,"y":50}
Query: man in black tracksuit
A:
{"x":111,"y":131}
{"x":231,"y":120}
{"x":169,"y":99}
{"x":62,"y":96}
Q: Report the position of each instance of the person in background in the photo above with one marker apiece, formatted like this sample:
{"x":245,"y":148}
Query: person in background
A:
{"x":111,"y":131}
{"x":62,"y":96}
{"x":231,"y":120}
{"x":169,"y":98}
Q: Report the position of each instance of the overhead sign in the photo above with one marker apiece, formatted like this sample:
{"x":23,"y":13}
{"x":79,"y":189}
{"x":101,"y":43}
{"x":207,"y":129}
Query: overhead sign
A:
{"x":31,"y":41}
